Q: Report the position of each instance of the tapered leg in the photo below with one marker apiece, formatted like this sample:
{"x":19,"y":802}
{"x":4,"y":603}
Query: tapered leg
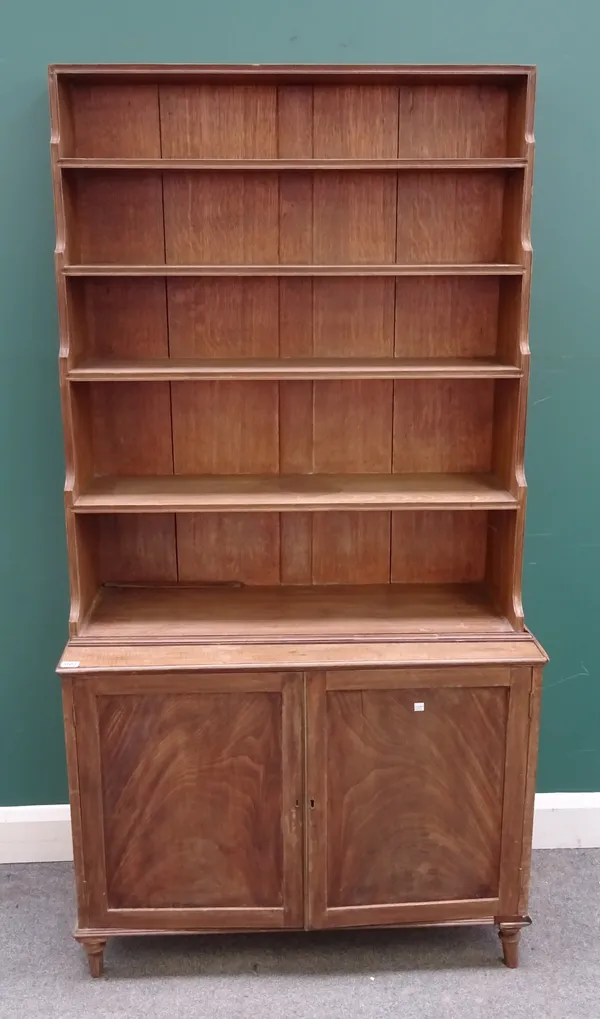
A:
{"x":509,"y":936}
{"x":94,"y":949}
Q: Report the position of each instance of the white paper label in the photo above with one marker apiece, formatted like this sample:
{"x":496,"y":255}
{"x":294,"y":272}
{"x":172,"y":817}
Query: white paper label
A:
{"x":419,"y":706}
{"x":69,"y":665}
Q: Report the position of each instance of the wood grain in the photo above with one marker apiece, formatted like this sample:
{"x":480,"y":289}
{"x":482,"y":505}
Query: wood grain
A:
{"x":392,"y":795}
{"x":221,"y":220}
{"x":218,"y":122}
{"x":438,"y":547}
{"x":184,"y":493}
{"x":353,"y":218}
{"x":225,"y":427}
{"x":159,"y":854}
{"x":303,"y":369}
{"x":359,"y":411}
{"x":118,"y":218}
{"x":450,"y":218}
{"x":364,"y":612}
{"x":132,"y":549}
{"x":355,"y":122}
{"x":222,"y":318}
{"x":452,"y":121}
{"x":446,"y":654}
{"x":123,"y":318}
{"x":221,"y":548}
{"x":446,"y":317}
{"x":131,"y":428}
{"x":443,"y":425}
{"x":115,"y":121}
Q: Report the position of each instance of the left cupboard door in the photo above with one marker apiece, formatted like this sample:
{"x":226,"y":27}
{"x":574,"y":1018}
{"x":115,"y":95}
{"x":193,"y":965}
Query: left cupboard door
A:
{"x":187,"y":797}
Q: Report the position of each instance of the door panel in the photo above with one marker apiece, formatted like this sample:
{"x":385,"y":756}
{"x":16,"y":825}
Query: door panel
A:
{"x":195,"y":812}
{"x":406,"y":786}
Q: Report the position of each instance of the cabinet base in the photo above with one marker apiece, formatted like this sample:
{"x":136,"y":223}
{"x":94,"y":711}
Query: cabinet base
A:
{"x":94,"y":942}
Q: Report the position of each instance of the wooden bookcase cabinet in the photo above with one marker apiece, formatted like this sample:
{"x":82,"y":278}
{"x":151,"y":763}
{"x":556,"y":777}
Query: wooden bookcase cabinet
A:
{"x":294,"y":362}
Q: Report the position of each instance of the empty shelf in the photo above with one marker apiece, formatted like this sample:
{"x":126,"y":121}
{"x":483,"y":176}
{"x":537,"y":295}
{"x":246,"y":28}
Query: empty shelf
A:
{"x":183,"y":493}
{"x":309,"y":368}
{"x":89,"y":163}
{"x":434,"y":269}
{"x":223,"y":613}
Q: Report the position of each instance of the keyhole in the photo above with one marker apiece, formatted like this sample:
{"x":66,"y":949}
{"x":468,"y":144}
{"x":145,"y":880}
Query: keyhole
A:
{"x":312,"y":804}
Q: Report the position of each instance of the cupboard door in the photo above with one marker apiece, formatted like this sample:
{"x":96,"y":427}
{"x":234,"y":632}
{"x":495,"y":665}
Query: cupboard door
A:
{"x":191,"y":817}
{"x":415,"y":788}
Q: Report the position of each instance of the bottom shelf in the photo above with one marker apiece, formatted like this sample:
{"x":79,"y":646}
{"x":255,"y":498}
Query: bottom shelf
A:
{"x":236,"y":613}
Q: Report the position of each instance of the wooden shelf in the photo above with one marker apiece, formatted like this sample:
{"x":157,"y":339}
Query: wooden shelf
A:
{"x":224,"y":613}
{"x":214,"y":493}
{"x":435,"y":269}
{"x":291,"y":164}
{"x":167,"y":369}
{"x":298,"y":74}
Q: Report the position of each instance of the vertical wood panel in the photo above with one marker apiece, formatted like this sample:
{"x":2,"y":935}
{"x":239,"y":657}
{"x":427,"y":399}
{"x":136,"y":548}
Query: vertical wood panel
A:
{"x":115,"y":121}
{"x":296,"y":530}
{"x":92,"y":812}
{"x":351,"y":548}
{"x":238,"y":548}
{"x":446,"y":121}
{"x":354,"y":218}
{"x":220,"y":219}
{"x":316,"y":798}
{"x":225,"y":427}
{"x":295,"y":122}
{"x":517,"y":736}
{"x":446,"y":317}
{"x":353,"y":317}
{"x":218,"y":121}
{"x":119,"y":218}
{"x":450,"y":217}
{"x":131,"y":426}
{"x":355,"y":122}
{"x":223,"y":318}
{"x":296,"y":427}
{"x":438,"y":547}
{"x":137,"y":548}
{"x":353,"y":425}
{"x":123,"y":318}
{"x":296,"y":317}
{"x":443,"y":425}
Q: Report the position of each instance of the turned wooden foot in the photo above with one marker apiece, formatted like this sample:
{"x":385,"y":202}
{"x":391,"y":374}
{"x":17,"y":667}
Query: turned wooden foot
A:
{"x":94,"y":949}
{"x":509,"y":936}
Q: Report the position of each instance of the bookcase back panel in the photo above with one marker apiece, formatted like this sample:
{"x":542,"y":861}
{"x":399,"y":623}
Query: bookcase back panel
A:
{"x":113,"y":319}
{"x":258,"y":218}
{"x":265,"y":121}
{"x":115,"y":219}
{"x":337,"y":427}
{"x":412,"y":317}
{"x":263,"y":549}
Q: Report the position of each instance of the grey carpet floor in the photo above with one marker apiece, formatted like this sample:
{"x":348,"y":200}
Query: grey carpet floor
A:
{"x":449,"y":973}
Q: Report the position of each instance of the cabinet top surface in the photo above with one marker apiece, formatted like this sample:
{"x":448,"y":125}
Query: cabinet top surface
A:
{"x":299,"y":71}
{"x":79,"y":658}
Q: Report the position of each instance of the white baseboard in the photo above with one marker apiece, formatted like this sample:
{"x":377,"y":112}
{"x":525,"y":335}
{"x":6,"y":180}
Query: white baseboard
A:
{"x":566,"y":821}
{"x":42,"y":834}
{"x":39,"y":834}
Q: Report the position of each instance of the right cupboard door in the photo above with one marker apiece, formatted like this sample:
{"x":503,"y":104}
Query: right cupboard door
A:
{"x":416,"y":794}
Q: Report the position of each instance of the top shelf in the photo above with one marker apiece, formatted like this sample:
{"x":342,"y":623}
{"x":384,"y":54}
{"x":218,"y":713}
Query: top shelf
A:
{"x":292,"y":73}
{"x":291,"y":164}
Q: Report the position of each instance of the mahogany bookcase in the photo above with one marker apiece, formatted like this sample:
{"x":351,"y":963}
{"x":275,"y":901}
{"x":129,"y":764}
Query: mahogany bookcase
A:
{"x":298,"y":689}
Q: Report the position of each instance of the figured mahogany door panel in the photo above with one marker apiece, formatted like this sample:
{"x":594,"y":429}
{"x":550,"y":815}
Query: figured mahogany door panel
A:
{"x":192,"y":814}
{"x":406,"y":793}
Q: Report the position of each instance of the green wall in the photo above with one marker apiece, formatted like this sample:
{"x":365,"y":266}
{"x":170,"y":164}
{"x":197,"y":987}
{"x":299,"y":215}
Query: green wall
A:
{"x":563,"y":544}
